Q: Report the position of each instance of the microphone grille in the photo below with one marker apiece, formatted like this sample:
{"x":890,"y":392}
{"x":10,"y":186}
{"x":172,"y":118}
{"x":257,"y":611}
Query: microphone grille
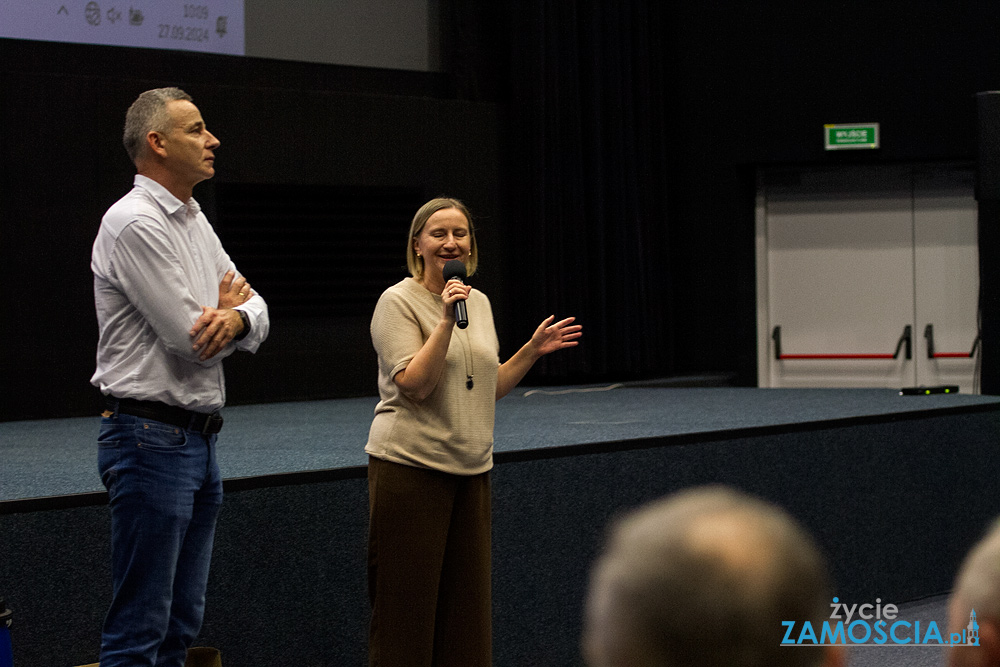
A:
{"x":453,"y":268}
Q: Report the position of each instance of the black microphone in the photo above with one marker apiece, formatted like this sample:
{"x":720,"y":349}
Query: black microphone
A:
{"x":455,"y":268}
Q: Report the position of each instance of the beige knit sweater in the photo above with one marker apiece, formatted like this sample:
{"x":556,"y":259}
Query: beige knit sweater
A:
{"x":452,"y":429}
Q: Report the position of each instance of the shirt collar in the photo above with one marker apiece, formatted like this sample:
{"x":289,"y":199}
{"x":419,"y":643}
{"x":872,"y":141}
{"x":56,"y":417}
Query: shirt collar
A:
{"x":171,"y":204}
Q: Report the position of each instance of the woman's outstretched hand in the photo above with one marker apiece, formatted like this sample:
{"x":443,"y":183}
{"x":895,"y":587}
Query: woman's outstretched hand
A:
{"x":549,"y":336}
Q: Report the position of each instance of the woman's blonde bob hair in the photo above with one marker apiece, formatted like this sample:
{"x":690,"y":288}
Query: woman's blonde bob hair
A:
{"x":416,"y":264}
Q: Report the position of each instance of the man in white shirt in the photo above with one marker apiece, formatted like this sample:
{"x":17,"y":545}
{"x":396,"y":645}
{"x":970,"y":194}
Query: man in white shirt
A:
{"x":171,"y":306}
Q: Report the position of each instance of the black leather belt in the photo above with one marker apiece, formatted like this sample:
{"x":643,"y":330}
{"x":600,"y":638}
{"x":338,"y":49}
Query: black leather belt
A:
{"x":168,"y":414}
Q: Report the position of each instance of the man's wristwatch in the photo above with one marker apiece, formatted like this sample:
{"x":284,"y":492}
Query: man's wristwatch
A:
{"x":246,"y":326}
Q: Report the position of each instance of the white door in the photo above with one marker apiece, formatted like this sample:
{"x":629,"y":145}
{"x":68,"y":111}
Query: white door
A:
{"x":946,"y":277}
{"x":853,"y":263}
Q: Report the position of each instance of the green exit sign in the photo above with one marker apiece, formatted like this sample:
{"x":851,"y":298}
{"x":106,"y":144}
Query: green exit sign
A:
{"x":854,"y":135}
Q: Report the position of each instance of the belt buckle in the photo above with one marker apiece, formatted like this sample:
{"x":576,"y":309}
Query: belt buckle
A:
{"x":213,"y":424}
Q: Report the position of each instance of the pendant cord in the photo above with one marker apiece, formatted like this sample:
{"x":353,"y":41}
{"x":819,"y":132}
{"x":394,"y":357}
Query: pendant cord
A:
{"x":470,"y":367}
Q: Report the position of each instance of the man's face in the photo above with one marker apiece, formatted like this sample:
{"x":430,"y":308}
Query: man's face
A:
{"x":189,"y":144}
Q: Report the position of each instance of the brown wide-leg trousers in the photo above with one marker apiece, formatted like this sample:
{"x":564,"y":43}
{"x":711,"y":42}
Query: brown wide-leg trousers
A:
{"x":428,"y":567}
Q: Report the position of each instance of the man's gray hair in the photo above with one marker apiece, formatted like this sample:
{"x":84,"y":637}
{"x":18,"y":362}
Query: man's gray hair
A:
{"x":148,"y":114}
{"x":705,"y":577}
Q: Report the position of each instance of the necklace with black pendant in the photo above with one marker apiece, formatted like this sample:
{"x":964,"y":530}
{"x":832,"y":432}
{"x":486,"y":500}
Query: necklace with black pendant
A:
{"x":469,"y":361}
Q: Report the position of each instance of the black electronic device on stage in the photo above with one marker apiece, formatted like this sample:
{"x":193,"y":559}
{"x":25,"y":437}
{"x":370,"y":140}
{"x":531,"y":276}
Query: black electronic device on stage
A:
{"x":927,"y":391}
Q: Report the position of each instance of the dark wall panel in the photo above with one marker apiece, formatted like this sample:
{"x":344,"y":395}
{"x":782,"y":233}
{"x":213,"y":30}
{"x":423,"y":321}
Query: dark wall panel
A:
{"x":50,"y":202}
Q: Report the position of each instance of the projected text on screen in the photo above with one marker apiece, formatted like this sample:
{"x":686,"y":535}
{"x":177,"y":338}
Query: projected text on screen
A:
{"x":211,"y":26}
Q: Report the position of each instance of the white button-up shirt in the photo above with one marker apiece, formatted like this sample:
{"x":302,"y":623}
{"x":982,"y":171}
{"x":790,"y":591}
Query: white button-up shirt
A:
{"x":156,"y":262}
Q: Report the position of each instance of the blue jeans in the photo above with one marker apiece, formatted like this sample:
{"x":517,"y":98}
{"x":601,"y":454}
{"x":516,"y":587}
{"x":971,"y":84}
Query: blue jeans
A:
{"x":165,"y":492}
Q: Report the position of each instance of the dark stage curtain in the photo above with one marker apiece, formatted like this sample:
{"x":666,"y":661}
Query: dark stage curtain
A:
{"x":988,"y":196}
{"x":989,"y":296}
{"x":583,"y":87}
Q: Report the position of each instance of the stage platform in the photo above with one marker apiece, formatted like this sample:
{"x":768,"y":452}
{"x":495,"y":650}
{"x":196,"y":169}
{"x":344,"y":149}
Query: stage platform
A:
{"x":43,"y":460}
{"x":895,"y":488}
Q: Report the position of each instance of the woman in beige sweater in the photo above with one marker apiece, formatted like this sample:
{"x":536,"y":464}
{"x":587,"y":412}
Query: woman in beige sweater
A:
{"x":431,"y":448}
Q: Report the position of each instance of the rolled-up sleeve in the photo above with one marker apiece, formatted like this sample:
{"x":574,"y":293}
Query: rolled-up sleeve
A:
{"x":255,"y":307}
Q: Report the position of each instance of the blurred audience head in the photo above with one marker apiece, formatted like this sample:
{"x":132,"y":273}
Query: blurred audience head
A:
{"x":705,"y":577}
{"x":975,"y":605}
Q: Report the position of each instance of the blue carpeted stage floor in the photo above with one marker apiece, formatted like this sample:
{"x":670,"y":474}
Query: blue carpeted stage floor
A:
{"x":58,"y":457}
{"x":895,"y":489}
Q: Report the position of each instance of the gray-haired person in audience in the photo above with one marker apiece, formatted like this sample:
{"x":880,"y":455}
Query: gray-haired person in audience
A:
{"x":974,"y":607}
{"x":705,"y":577}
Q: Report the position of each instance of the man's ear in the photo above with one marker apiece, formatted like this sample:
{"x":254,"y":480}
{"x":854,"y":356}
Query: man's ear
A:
{"x":835,"y":655}
{"x":989,"y":640}
{"x":155,"y":142}
{"x":986,"y":654}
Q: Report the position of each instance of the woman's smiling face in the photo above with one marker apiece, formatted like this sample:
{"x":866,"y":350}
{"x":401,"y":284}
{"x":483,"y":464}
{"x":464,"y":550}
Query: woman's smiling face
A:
{"x":444,"y":237}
